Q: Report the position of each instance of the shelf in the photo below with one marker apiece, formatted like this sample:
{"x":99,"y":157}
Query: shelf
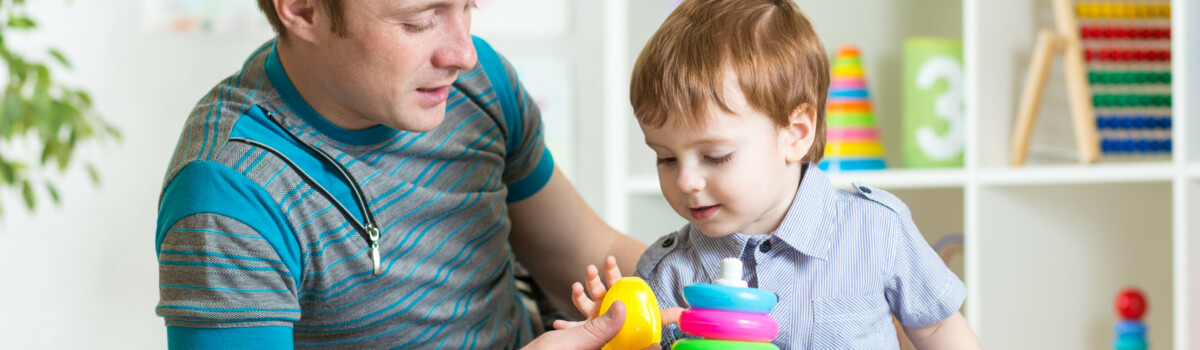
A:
{"x":1079,"y":174}
{"x":886,"y":179}
{"x":894,"y":179}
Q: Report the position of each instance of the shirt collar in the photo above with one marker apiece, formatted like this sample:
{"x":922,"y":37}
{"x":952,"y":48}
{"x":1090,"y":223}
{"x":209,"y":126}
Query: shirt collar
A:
{"x":809,"y":221}
{"x":806,"y":227}
{"x":283,"y":85}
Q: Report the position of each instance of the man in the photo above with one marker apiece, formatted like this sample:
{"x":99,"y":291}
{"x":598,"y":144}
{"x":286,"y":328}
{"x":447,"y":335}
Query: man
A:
{"x":364,"y":181}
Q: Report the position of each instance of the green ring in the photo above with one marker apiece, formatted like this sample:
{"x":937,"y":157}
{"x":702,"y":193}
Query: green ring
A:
{"x":711,"y":344}
{"x":850,"y":120}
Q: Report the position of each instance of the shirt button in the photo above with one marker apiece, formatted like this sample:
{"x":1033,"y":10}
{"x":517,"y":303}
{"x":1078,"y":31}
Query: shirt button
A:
{"x":667,"y":243}
{"x":864,"y":189}
{"x":765,"y":246}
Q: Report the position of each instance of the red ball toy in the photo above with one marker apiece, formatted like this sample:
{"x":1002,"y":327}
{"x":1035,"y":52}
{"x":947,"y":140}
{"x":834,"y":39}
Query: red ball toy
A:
{"x":1131,"y":305}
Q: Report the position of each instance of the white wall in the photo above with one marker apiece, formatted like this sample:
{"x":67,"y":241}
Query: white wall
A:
{"x":84,"y":275}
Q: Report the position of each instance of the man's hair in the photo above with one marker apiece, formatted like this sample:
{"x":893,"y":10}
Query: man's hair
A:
{"x":769,"y":45}
{"x":331,"y":7}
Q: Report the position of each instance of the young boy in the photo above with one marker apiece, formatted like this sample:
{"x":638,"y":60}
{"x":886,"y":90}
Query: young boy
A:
{"x":731,"y":97}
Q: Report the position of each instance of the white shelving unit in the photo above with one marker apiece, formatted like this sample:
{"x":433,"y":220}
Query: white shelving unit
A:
{"x":1048,"y":245}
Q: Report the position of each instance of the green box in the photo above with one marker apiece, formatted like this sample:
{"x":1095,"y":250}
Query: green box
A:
{"x":933,"y":93}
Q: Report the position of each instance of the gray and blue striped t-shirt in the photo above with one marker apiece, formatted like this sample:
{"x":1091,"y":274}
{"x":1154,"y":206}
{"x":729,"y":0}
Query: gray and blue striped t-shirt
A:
{"x":258,"y":239}
{"x":842,"y":264}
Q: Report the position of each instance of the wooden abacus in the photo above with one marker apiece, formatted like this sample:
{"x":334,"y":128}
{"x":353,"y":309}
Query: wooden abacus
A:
{"x":1067,"y":38}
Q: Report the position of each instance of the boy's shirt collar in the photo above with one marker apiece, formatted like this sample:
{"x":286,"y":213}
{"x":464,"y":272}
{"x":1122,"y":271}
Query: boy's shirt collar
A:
{"x":809,"y":221}
{"x":806,"y":227}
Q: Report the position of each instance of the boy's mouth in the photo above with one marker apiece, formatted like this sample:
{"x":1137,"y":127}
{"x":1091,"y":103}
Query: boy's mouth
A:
{"x":701,"y":213}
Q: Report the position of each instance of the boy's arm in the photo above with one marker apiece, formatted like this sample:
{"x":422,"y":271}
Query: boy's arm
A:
{"x":556,"y":235}
{"x":951,"y":333}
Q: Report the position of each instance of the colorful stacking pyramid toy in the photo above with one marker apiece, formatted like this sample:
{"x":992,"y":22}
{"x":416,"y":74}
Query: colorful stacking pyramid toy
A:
{"x":1130,"y":331}
{"x":728,"y":315}
{"x":852,"y":142}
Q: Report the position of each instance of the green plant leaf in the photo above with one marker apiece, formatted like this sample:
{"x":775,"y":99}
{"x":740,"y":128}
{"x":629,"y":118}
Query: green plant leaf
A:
{"x":85,"y":97}
{"x":58,"y":56}
{"x":53,"y":191}
{"x":43,"y":79}
{"x":27,"y":194}
{"x":21,"y":23}
{"x":93,"y":173}
{"x":49,"y":150}
{"x":6,"y":173}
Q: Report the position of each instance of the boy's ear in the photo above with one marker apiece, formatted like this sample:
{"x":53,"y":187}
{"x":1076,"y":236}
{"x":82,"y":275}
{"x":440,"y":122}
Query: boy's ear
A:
{"x":800,"y":133}
{"x":299,"y":17}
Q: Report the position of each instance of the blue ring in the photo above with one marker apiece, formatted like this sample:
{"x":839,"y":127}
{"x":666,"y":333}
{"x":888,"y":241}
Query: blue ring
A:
{"x":725,"y":298}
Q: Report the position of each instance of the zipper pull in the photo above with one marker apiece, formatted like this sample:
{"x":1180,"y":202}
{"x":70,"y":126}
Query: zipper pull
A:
{"x":373,"y":234}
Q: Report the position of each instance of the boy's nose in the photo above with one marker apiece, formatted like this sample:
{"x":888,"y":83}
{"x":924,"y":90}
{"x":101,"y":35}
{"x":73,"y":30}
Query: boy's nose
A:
{"x":690,"y":181}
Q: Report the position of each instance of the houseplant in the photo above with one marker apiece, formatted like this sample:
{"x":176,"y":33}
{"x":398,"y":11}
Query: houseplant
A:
{"x":43,"y":121}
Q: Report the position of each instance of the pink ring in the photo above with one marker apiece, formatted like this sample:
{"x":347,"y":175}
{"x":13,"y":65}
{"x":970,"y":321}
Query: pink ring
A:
{"x":728,"y":325}
{"x":853,"y":134}
{"x":847,"y":84}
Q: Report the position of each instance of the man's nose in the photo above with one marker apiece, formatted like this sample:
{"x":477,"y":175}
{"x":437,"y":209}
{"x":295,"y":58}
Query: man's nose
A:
{"x":458,"y":51}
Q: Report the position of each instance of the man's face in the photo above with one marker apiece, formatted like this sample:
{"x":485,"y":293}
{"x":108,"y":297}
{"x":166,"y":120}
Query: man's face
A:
{"x":397,"y":60}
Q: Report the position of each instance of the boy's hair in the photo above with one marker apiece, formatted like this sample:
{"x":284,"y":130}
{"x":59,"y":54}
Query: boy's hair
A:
{"x":768,"y":45}
{"x":331,"y":7}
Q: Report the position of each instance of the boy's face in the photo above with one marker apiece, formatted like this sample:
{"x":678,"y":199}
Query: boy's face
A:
{"x":737,"y":173}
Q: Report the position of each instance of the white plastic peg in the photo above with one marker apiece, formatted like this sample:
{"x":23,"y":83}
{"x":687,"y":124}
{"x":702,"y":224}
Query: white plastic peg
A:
{"x":731,"y":273}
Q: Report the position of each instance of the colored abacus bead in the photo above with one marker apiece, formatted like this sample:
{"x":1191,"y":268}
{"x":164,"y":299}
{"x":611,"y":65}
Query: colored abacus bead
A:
{"x":1130,"y":304}
{"x":1130,"y":344}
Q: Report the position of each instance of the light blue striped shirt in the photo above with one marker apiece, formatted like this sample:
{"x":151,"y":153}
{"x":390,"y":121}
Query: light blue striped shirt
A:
{"x":842,"y":263}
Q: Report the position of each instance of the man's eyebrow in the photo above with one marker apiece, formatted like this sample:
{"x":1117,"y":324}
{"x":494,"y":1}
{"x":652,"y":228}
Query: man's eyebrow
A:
{"x":418,"y":8}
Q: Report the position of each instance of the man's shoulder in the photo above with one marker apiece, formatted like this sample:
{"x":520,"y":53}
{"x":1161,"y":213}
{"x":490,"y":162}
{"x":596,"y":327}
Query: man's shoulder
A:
{"x":208,"y":125}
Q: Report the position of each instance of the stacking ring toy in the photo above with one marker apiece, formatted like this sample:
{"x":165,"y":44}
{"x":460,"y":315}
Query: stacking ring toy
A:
{"x":709,"y":344}
{"x":728,"y":325}
{"x":725,"y":298}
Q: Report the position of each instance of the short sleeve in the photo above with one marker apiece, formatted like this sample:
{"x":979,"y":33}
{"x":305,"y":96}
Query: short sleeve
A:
{"x":922,"y":291}
{"x":528,"y":163}
{"x":227,"y":260}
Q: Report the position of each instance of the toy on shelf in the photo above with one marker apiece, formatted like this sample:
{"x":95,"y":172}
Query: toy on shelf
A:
{"x":1117,"y":58}
{"x":934,"y":126}
{"x":643,"y":327}
{"x":728,"y":314}
{"x":1130,"y":331}
{"x":852,"y":139}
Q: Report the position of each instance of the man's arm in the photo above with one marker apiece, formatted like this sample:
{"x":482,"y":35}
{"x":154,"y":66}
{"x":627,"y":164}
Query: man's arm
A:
{"x":556,"y":236}
{"x":951,"y":333}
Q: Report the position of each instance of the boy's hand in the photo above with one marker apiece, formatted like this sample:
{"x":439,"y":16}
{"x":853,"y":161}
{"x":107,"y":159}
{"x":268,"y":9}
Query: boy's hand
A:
{"x":590,"y":307}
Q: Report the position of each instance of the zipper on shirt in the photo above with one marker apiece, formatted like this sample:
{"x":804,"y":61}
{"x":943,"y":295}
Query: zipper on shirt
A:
{"x":368,"y":228}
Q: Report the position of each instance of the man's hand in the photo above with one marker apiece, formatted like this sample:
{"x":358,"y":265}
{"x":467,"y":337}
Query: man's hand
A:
{"x":589,"y":335}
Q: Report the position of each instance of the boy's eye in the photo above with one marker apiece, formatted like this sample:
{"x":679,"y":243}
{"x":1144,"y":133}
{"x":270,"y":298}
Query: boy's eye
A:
{"x":666,"y":161}
{"x":720,"y":159}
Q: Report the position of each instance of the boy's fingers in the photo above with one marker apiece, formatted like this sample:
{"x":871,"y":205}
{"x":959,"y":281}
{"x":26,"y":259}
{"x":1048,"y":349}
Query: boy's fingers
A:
{"x":611,"y":270}
{"x":670,"y":315}
{"x":564,"y":324}
{"x":585,"y":305}
{"x":594,"y":286}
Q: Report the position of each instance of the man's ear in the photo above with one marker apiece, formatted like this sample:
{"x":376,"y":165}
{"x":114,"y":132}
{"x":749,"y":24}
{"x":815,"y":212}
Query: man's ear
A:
{"x":800,"y":132}
{"x":299,"y":17}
